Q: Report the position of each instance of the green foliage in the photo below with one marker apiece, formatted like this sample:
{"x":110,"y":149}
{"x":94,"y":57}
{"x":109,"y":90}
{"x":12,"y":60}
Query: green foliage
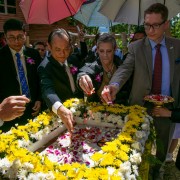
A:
{"x":128,"y":29}
{"x":175,"y":26}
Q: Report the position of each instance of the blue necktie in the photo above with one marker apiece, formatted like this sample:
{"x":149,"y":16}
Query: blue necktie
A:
{"x":22,"y":77}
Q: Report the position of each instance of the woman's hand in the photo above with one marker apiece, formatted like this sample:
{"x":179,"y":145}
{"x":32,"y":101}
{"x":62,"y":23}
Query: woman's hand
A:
{"x":109,"y":94}
{"x":86,"y":84}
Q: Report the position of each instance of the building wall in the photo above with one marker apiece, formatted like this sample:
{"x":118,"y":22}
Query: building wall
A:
{"x":18,"y":15}
{"x":41,"y":32}
{"x":35,"y":32}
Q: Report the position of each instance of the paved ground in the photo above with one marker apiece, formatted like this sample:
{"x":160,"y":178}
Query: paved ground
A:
{"x":170,"y":170}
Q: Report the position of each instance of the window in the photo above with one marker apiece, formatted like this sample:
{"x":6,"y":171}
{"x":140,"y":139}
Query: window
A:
{"x":8,"y":6}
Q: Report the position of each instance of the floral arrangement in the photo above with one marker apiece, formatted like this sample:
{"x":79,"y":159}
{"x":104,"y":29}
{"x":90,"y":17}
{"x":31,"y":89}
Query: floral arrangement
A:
{"x":158,"y":99}
{"x":118,"y":159}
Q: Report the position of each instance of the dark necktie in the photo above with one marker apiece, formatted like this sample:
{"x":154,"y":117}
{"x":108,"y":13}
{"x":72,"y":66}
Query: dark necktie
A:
{"x":71,"y":80}
{"x":22,"y":77}
{"x":157,"y":76}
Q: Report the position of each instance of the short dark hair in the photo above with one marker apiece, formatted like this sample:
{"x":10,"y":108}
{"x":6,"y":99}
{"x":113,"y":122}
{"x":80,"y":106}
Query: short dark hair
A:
{"x":107,"y":38}
{"x":157,"y":8}
{"x":13,"y":25}
{"x":39,"y":43}
{"x":59,"y":32}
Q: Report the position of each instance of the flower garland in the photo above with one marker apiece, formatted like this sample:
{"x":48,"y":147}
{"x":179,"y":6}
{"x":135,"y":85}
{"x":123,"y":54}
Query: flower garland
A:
{"x":118,"y":159}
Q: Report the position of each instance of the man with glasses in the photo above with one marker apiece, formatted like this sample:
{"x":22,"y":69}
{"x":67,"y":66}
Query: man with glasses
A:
{"x":58,"y":74}
{"x":18,"y":76}
{"x":40,"y":46}
{"x":140,"y":62}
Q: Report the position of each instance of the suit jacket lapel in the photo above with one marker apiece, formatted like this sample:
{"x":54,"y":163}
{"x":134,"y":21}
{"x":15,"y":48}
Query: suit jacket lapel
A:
{"x":64,"y":77}
{"x":148,"y":54}
{"x":27,"y":65}
{"x":170,"y":49}
{"x":11,"y":62}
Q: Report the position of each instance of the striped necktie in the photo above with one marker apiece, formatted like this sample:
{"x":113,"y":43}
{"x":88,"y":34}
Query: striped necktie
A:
{"x":71,"y":80}
{"x":22,"y":77}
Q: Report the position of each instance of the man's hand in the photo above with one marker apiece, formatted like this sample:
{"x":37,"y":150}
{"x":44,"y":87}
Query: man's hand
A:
{"x":67,"y":117}
{"x":86,"y":84}
{"x":13,"y":107}
{"x":161,"y":112}
{"x":81,"y":35}
{"x":109,"y":93}
{"x":36,"y":108}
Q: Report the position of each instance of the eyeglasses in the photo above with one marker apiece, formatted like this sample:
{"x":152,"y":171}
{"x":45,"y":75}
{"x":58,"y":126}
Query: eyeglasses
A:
{"x":154,"y":26}
{"x":18,"y":38}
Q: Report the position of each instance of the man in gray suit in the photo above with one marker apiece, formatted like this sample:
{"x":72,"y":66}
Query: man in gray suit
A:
{"x":140,"y":63}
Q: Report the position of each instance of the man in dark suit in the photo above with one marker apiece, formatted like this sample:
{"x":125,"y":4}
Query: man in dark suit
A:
{"x":58,"y":74}
{"x":140,"y":62}
{"x":11,"y":84}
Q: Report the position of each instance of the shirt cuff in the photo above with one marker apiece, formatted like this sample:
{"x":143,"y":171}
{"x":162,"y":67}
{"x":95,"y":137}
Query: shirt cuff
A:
{"x":56,"y":106}
{"x":115,"y":84}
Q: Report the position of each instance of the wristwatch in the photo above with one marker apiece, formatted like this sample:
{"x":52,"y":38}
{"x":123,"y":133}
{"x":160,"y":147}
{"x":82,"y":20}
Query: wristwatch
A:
{"x":1,"y":122}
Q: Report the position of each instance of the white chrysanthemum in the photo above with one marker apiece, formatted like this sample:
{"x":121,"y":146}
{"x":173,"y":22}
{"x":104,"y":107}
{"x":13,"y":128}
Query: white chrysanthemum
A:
{"x":137,"y":146}
{"x":140,"y":134}
{"x":150,"y":119}
{"x":135,"y":157}
{"x":46,"y":130}
{"x":41,"y":176}
{"x":17,"y":163}
{"x":28,"y":166}
{"x":22,"y":174}
{"x":72,"y":109}
{"x":97,"y":116}
{"x":24,"y":143}
{"x":145,"y":126}
{"x":38,"y":135}
{"x":125,"y":167}
{"x":111,"y":118}
{"x":132,"y":177}
{"x":110,"y":170}
{"x":5,"y":164}
{"x":87,"y":158}
{"x":135,"y":170}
